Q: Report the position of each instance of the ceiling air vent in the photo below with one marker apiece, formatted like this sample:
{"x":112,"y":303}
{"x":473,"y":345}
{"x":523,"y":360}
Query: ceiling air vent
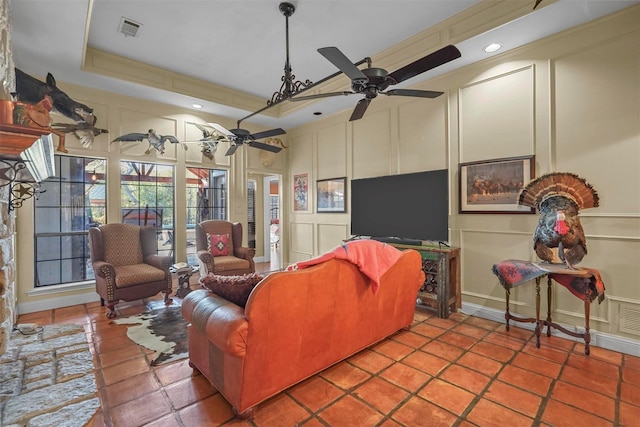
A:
{"x":129,"y":27}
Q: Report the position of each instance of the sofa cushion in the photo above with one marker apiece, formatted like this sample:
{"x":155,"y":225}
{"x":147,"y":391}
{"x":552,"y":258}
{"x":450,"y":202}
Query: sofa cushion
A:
{"x":218,"y":244}
{"x":232,"y":288}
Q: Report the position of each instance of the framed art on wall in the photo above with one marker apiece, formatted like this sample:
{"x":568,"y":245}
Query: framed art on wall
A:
{"x":301,"y":192}
{"x":492,"y":186}
{"x":331,"y":195}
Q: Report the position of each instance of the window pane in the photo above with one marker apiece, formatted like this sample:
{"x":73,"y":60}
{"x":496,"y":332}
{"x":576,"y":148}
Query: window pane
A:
{"x":74,"y":201}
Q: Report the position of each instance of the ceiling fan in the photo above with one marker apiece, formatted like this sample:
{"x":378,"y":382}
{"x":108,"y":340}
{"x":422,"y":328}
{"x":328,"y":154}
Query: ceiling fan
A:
{"x":372,"y":81}
{"x":243,"y":136}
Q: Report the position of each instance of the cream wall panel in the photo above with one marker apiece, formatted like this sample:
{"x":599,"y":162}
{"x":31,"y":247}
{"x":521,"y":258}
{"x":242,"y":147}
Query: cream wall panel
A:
{"x":330,"y":236}
{"x":332,"y":152}
{"x":371,"y":145}
{"x":302,"y":237}
{"x":301,"y":154}
{"x":496,"y":116}
{"x":422,"y":130}
{"x":480,"y":251}
{"x":598,"y":119}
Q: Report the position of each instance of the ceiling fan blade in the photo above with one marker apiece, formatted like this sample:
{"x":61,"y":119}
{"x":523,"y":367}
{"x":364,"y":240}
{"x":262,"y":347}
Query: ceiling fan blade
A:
{"x":320,"y":95}
{"x":412,"y":92}
{"x":232,"y":149}
{"x":268,"y":133}
{"x":360,"y":109}
{"x":433,"y":60}
{"x":263,"y":146}
{"x":221,"y":129}
{"x":344,"y":64}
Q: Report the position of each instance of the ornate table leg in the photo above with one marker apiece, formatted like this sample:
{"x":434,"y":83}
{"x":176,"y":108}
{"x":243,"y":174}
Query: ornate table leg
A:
{"x":538,"y":322}
{"x":587,"y":313}
{"x":507,"y":316}
{"x":549,"y":321}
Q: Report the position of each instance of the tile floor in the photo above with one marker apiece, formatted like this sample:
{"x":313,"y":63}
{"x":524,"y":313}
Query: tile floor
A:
{"x":462,"y":371}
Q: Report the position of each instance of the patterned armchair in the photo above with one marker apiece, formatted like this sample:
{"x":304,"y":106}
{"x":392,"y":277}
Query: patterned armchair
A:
{"x":126,"y":265}
{"x":220,"y":251}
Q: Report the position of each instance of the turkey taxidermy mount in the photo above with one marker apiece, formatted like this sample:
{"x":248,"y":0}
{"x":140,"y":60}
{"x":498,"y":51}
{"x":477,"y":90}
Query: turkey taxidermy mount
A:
{"x":559,"y":196}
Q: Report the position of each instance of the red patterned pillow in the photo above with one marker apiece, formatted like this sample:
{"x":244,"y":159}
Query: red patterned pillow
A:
{"x":218,"y":244}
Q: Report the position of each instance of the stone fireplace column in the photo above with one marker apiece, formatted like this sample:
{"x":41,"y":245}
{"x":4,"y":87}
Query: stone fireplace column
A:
{"x":7,"y":271}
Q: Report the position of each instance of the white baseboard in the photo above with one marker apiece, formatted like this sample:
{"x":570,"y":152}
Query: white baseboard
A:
{"x":598,"y":339}
{"x":57,"y":302}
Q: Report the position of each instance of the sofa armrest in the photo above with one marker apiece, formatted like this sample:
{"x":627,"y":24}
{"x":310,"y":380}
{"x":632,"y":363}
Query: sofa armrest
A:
{"x":221,"y":321}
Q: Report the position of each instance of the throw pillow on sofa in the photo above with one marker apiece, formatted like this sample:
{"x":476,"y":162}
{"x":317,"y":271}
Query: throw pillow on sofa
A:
{"x":232,"y":288}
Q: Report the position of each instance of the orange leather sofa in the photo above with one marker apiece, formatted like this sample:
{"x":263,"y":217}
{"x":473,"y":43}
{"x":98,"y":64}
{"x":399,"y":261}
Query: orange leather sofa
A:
{"x":296,"y":324}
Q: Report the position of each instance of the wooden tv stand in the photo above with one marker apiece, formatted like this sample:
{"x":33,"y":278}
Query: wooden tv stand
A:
{"x":441,"y":288}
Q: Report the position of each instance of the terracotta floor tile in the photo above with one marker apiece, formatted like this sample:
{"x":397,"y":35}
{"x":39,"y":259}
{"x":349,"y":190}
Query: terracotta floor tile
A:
{"x":188,"y":391}
{"x":558,"y":414}
{"x":630,"y":393}
{"x":483,"y":323}
{"x":279,"y":411}
{"x":120,"y":354}
{"x":470,"y":330}
{"x":315,"y":393}
{"x":443,"y":350}
{"x":533,"y":364}
{"x":513,"y":343}
{"x":443,"y":323}
{"x":370,"y":361}
{"x":428,"y":330}
{"x":482,"y":364}
{"x":513,"y":398}
{"x":632,"y":362}
{"x":426,"y":362}
{"x":629,"y":415}
{"x":389,"y":423}
{"x":459,"y":340}
{"x":417,"y":412}
{"x":589,"y":364}
{"x":631,"y":376}
{"x":447,"y":396}
{"x":39,"y":317}
{"x":584,"y":399}
{"x":489,"y":414}
{"x":465,"y":378}
{"x":421,"y":316}
{"x":526,"y":380}
{"x":381,"y":394}
{"x":129,"y":368}
{"x":392,"y":349}
{"x":590,"y":380}
{"x":405,"y":376}
{"x":516,"y":332}
{"x":174,"y":372}
{"x":559,"y":343}
{"x":131,"y":388}
{"x":140,"y":411}
{"x":345,"y":375}
{"x":546,"y":352}
{"x":609,"y":356}
{"x":313,"y":422}
{"x":349,"y":411}
{"x":411,"y":339}
{"x":212,"y":411}
{"x":493,"y":351}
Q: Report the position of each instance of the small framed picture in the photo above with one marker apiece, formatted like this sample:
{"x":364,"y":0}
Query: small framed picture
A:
{"x":492,"y":186}
{"x":301,"y":192}
{"x":331,"y":195}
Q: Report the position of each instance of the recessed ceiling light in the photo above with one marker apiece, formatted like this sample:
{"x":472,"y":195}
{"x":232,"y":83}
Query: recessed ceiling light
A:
{"x":493,"y":47}
{"x":196,"y":106}
{"x":317,"y":113}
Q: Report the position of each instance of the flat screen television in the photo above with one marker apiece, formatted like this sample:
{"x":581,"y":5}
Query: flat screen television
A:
{"x":413,"y":206}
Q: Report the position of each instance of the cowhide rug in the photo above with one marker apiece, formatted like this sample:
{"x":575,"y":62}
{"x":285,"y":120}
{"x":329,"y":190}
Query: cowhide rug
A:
{"x":162,"y":330}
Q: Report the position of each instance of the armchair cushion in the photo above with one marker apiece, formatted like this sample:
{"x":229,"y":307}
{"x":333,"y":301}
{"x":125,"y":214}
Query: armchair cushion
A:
{"x":232,"y":288}
{"x":218,"y":244}
{"x":135,"y":274}
{"x":122,"y":245}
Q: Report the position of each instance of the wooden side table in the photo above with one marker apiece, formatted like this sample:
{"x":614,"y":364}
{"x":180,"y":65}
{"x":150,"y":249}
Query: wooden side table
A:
{"x":584,"y":283}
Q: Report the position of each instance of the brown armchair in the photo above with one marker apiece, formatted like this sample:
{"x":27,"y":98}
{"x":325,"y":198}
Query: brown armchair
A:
{"x":239,"y":259}
{"x":126,"y":265}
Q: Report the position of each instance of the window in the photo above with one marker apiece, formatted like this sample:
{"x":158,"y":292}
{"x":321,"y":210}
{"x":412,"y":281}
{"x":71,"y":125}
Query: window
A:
{"x":147,"y":198}
{"x":206,"y":199}
{"x":71,"y":201}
